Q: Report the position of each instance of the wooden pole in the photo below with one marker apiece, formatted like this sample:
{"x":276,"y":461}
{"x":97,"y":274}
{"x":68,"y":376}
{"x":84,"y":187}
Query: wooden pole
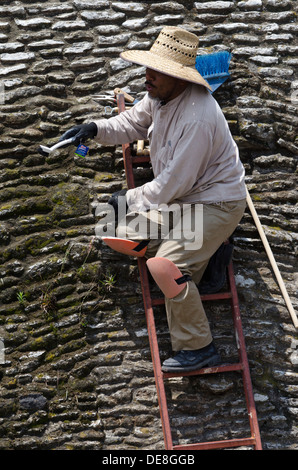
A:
{"x":271,"y":259}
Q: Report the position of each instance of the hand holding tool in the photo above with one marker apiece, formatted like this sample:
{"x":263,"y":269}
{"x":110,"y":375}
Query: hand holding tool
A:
{"x":81,"y":133}
{"x":76,"y":135}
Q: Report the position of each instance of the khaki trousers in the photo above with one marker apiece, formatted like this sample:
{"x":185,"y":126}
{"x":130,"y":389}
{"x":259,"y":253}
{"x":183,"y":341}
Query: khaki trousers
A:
{"x":188,"y":324}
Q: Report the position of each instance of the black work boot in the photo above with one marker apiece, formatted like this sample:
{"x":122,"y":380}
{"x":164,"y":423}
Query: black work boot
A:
{"x":186,"y":361}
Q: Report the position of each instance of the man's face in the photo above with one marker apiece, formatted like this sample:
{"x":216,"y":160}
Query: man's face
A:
{"x":163,"y":86}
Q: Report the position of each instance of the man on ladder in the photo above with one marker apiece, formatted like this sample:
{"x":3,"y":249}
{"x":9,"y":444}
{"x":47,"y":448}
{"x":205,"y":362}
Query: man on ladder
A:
{"x":196,"y":164}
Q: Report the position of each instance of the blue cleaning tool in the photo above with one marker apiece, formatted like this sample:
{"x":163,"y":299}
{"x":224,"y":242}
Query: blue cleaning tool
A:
{"x":214,"y":67}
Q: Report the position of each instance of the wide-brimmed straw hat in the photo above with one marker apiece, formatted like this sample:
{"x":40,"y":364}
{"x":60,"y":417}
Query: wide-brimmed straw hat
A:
{"x":173,"y":53}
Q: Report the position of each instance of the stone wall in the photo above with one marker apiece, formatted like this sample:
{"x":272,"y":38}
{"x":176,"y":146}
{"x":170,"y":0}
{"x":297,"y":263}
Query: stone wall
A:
{"x":75,"y":364}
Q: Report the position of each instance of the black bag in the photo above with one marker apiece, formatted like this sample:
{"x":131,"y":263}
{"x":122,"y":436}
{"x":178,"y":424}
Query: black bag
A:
{"x":214,"y":277}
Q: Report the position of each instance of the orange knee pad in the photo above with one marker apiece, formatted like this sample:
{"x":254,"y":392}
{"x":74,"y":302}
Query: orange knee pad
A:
{"x":127,"y":247}
{"x":167,"y":276}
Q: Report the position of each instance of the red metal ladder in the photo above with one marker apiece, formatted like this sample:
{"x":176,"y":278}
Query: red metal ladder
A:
{"x":242,"y":366}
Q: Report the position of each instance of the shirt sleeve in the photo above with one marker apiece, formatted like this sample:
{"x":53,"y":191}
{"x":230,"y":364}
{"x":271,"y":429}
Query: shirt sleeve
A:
{"x":126,"y":127}
{"x":187,"y":163}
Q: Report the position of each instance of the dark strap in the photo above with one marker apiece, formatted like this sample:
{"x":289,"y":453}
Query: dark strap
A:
{"x":141,"y":245}
{"x":182,"y":279}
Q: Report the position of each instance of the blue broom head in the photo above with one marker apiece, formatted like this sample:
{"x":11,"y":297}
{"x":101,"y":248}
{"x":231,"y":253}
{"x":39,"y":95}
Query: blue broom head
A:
{"x":214,"y":67}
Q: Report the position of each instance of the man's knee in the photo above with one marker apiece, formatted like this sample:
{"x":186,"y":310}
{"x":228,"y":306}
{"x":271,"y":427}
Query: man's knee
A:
{"x":167,"y":276}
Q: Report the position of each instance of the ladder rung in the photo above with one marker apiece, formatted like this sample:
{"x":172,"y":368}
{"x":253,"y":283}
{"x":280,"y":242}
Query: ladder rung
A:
{"x":249,"y":441}
{"x":205,"y":297}
{"x":205,"y":370}
{"x":156,"y":302}
{"x":140,"y":159}
{"x":218,"y":296}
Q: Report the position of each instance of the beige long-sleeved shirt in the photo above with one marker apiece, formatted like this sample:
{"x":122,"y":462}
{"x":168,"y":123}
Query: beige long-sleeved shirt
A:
{"x":194,"y":157}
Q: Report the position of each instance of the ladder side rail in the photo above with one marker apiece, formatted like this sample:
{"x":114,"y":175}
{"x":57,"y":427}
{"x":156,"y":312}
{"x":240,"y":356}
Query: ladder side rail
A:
{"x":127,"y":162}
{"x":152,"y":335}
{"x":127,"y":157}
{"x":149,"y":314}
{"x":252,"y":414}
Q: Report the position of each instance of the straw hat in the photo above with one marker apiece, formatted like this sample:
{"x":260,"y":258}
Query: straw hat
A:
{"x":173,"y":53}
